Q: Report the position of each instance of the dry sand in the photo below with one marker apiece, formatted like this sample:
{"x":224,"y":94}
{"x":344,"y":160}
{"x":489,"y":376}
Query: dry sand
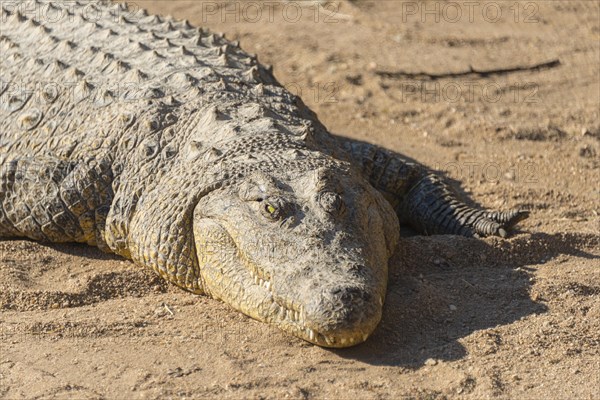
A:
{"x":464,"y":318}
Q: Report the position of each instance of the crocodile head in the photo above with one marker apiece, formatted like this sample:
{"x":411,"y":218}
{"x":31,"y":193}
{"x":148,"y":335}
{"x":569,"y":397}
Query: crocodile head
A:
{"x":304,"y":251}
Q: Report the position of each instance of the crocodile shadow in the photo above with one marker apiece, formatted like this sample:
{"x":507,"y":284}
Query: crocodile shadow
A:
{"x":443,"y":171}
{"x":72,"y":249}
{"x":443,"y":288}
{"x":81,"y":250}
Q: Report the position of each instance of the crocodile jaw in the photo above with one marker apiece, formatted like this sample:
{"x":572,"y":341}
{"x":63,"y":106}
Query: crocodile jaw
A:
{"x":228,"y":275}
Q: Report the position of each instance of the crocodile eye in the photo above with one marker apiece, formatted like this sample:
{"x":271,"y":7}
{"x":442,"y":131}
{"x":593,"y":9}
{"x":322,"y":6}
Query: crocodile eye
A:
{"x":276,"y":208}
{"x":271,"y":211}
{"x":331,"y":202}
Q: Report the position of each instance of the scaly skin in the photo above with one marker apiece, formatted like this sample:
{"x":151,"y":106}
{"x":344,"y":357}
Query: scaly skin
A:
{"x":172,"y":147}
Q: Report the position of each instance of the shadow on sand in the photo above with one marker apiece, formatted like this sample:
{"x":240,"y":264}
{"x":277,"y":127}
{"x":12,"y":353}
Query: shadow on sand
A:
{"x":443,"y":288}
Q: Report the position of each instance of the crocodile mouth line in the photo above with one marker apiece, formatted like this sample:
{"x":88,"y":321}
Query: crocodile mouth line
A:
{"x":294,"y":315}
{"x":287,"y":315}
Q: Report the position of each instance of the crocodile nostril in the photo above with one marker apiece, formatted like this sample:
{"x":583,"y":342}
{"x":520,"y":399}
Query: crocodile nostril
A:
{"x":331,"y":202}
{"x":355,"y":268}
{"x":351,"y":295}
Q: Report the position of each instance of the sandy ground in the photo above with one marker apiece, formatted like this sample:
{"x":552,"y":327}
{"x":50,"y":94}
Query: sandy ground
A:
{"x":464,"y":318}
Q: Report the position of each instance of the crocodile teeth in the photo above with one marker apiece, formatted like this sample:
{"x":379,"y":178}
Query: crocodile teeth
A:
{"x":365,"y":336}
{"x":268,"y":285}
{"x":256,"y":279}
{"x":260,"y":282}
{"x":311,"y":334}
{"x":296,"y":315}
{"x":343,"y":340}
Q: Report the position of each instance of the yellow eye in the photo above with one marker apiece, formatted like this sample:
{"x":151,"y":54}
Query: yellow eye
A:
{"x":275,"y":209}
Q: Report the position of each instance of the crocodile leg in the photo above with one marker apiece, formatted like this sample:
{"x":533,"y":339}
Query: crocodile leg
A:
{"x":424,"y":200}
{"x":431,"y":207}
{"x":50,"y":199}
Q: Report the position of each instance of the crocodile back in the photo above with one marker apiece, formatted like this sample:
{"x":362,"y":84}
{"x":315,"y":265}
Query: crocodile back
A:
{"x":86,"y":78}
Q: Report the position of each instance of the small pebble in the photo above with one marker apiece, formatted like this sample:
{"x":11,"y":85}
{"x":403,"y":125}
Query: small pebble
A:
{"x":160,"y":312}
{"x":587,"y":151}
{"x":431,"y":361}
{"x":452,"y":307}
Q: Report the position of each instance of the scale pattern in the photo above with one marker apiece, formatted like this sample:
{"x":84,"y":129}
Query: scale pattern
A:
{"x":153,"y":107}
{"x":121,"y":130}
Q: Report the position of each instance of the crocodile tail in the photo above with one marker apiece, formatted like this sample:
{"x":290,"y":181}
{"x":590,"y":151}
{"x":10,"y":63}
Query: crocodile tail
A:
{"x":431,"y":207}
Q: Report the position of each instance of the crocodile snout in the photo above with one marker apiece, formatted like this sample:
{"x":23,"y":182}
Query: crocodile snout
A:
{"x":344,"y":315}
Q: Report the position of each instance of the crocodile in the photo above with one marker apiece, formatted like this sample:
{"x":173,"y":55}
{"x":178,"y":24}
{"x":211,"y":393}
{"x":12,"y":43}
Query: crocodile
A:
{"x":169,"y":145}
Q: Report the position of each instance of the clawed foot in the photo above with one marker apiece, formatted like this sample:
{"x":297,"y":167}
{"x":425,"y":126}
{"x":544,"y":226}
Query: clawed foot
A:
{"x":432,"y":208}
{"x":497,"y":223}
